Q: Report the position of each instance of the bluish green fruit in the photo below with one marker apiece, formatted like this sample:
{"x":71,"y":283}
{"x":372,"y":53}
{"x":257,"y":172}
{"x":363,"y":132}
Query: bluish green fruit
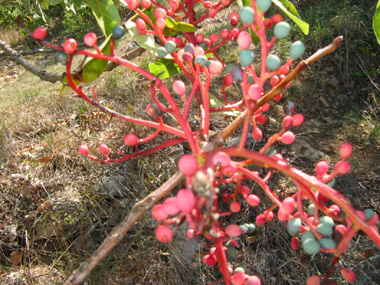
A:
{"x":294,"y":226}
{"x":250,"y":79}
{"x":369,"y":213}
{"x":231,"y":251}
{"x":209,"y":62}
{"x":161,"y":51}
{"x":201,"y":59}
{"x":244,"y":228}
{"x":327,"y":243}
{"x":263,"y":5}
{"x":246,"y":57}
{"x":281,"y":30}
{"x":307,"y":235}
{"x":273,"y":62}
{"x":229,"y":67}
{"x":327,"y":221}
{"x":170,"y":46}
{"x":297,"y":49}
{"x":311,"y":209}
{"x":62,"y":57}
{"x":203,"y":45}
{"x":239,"y":269}
{"x":247,"y":15}
{"x":118,"y":32}
{"x":251,"y":228}
{"x":324,"y":230}
{"x":311,"y":246}
{"x":237,"y":74}
{"x":189,"y":48}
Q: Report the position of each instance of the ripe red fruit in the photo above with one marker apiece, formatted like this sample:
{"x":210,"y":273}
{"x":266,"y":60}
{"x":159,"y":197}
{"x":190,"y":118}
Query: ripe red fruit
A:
{"x":268,"y":23}
{"x":140,"y":26}
{"x":70,"y":45}
{"x":199,"y":38}
{"x":260,"y":220}
{"x":212,"y":13}
{"x":171,"y":206}
{"x":90,"y":39}
{"x":257,"y":134}
{"x":261,"y":119}
{"x":276,"y":18}
{"x":103,"y":148}
{"x":348,"y":275}
{"x":234,"y":32}
{"x":345,"y":150}
{"x":287,"y":122}
{"x":185,"y":200}
{"x":228,"y":80}
{"x":294,"y":243}
{"x":188,"y":165}
{"x":253,"y":200}
{"x":83,"y":149}
{"x":224,"y":33}
{"x":234,"y":18}
{"x":214,"y":38}
{"x":190,"y":233}
{"x":39,"y":33}
{"x":146,"y":4}
{"x":164,"y":233}
{"x":210,"y":260}
{"x":130,"y":139}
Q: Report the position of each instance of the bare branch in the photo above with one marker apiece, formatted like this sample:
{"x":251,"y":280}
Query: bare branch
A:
{"x":119,"y":232}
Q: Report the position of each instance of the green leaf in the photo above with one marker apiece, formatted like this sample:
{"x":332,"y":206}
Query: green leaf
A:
{"x":215,"y":102}
{"x":180,"y":26}
{"x":54,"y":2}
{"x":167,"y":66}
{"x":376,"y":22}
{"x":144,"y":41}
{"x":289,"y":9}
{"x":243,"y":3}
{"x":92,"y":68}
{"x":106,"y":14}
{"x":26,"y":4}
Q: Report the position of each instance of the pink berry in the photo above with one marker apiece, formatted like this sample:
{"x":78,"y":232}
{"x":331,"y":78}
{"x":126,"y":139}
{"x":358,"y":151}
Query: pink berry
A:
{"x":198,"y":51}
{"x":283,"y":216}
{"x":179,"y":41}
{"x":171,"y":206}
{"x":199,"y":38}
{"x":269,"y":215}
{"x":140,"y":26}
{"x":260,"y":220}
{"x":186,"y":200}
{"x":348,"y":275}
{"x":268,"y":23}
{"x":261,"y":119}
{"x":228,"y":80}
{"x":214,"y":38}
{"x":374,"y":219}
{"x":253,"y":200}
{"x":288,"y":137}
{"x":213,"y":250}
{"x":341,"y":228}
{"x":221,"y":158}
{"x":133,"y":4}
{"x":287,"y":122}
{"x":297,"y":119}
{"x":160,"y":13}
{"x":254,"y":92}
{"x":179,"y":87}
{"x":257,"y":134}
{"x":335,"y":208}
{"x":244,"y":40}
{"x":224,"y":33}
{"x":146,"y":4}
{"x":274,"y":80}
{"x":215,"y":67}
{"x":245,"y":190}
{"x":174,"y":4}
{"x":130,"y":139}
{"x":159,"y":213}
{"x":238,"y":278}
{"x":39,"y":33}
{"x":190,"y":233}
{"x":164,"y":233}
{"x":103,"y":148}
{"x":234,"y":18}
{"x":234,"y":32}
{"x":278,"y":97}
{"x":212,"y":13}
{"x":314,"y":280}
{"x":289,"y":205}
{"x":226,"y":2}
{"x":284,"y":69}
{"x":70,"y":45}
{"x":161,"y":23}
{"x":210,"y":260}
{"x":233,"y":230}
{"x":253,"y":280}
{"x":207,"y":4}
{"x":342,"y":167}
{"x":229,"y":170}
{"x":345,"y":150}
{"x":188,"y":165}
{"x":294,"y":243}
{"x":321,"y":168}
{"x":90,"y":39}
{"x":276,"y":19}
{"x":235,"y":207}
{"x":83,"y":149}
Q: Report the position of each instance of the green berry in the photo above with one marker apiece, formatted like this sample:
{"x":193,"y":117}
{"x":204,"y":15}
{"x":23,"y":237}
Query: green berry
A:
{"x":62,"y":57}
{"x":325,"y":230}
{"x":327,"y":221}
{"x":294,"y":226}
{"x":229,"y":67}
{"x":311,"y":209}
{"x":306,"y":236}
{"x":251,"y":228}
{"x":263,"y":5}
{"x":200,"y":59}
{"x":250,"y":79}
{"x":118,"y":32}
{"x":369,"y":213}
{"x":281,"y":30}
{"x":246,"y":57}
{"x":331,"y":183}
{"x":297,"y":49}
{"x":327,"y":243}
{"x":273,"y":62}
{"x":247,"y":15}
{"x":161,"y":51}
{"x":231,"y":251}
{"x":311,"y":246}
{"x":170,"y":46}
{"x":239,"y":269}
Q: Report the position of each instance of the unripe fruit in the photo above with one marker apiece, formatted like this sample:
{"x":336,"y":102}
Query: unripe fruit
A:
{"x":201,"y":59}
{"x":288,"y":137}
{"x":62,"y":57}
{"x":253,"y":200}
{"x":103,"y":148}
{"x":239,"y":269}
{"x":296,"y":50}
{"x":237,"y":74}
{"x":189,"y":48}
{"x":369,"y":213}
{"x":188,"y":165}
{"x":294,"y":226}
{"x":118,"y":32}
{"x":281,"y":30}
{"x":235,"y":207}
{"x":257,"y":134}
{"x":348,"y":275}
{"x":185,"y":200}
{"x":276,"y":18}
{"x":311,"y":209}
{"x":83,"y":149}
{"x":39,"y":33}
{"x":345,"y":150}
{"x":246,"y":57}
{"x":253,"y":280}
{"x":247,"y":15}
{"x":215,"y":67}
{"x":233,"y":230}
{"x":327,"y":243}
{"x":160,"y":13}
{"x":342,"y":167}
{"x":90,"y":39}
{"x":307,"y":235}
{"x":326,"y":220}
{"x":263,"y":5}
{"x":273,"y":62}
{"x":159,"y":213}
{"x":231,"y":243}
{"x":254,"y":92}
{"x":325,"y":230}
{"x":130,"y":139}
{"x":164,"y":233}
{"x":70,"y":46}
{"x":251,"y":228}
{"x":260,"y":220}
{"x":244,"y":40}
{"x":179,"y":87}
{"x":311,"y":246}
{"x":210,"y":260}
{"x":161,"y":52}
{"x":267,"y":23}
{"x":297,"y":119}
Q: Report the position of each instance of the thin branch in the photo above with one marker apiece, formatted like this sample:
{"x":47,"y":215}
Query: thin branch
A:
{"x":119,"y":232}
